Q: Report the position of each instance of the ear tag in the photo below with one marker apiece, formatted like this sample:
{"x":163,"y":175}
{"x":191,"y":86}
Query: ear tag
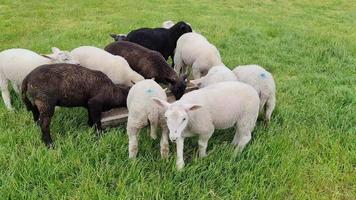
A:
{"x":150,"y":91}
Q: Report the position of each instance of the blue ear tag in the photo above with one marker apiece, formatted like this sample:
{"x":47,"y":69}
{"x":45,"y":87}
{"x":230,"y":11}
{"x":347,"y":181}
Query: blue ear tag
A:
{"x":263,"y":75}
{"x":150,"y":91}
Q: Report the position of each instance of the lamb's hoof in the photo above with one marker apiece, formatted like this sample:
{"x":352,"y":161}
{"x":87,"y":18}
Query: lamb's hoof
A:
{"x":266,"y":123}
{"x":180,"y":166}
{"x":153,"y":136}
{"x":164,"y":153}
{"x":50,"y":145}
{"x":203,"y":155}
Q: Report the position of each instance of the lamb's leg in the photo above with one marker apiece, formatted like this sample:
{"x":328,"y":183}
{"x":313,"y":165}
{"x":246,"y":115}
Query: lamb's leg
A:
{"x":243,"y":132}
{"x":133,"y":146}
{"x":203,"y":144}
{"x":196,"y":73}
{"x":164,"y":142}
{"x":32,"y":108}
{"x":16,"y":88}
{"x":270,"y":104}
{"x":90,"y":120}
{"x":5,"y":92}
{"x":178,"y":64}
{"x":95,"y":108}
{"x":46,"y":112}
{"x":180,"y":147}
{"x":35,"y":113}
{"x":153,"y":118}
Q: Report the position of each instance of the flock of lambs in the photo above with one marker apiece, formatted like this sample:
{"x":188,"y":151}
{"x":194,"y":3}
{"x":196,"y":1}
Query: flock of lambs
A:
{"x":128,"y":73}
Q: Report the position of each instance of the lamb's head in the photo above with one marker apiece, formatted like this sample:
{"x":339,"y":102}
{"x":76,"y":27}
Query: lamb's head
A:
{"x":181,"y":27}
{"x":59,"y":56}
{"x":178,"y":87}
{"x":118,"y":37}
{"x":177,"y":117}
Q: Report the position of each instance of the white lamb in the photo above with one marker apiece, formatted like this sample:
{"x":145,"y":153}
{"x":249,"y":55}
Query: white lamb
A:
{"x":115,"y":67}
{"x":218,"y":106}
{"x":215,"y":75}
{"x":143,"y":111}
{"x":194,"y":50}
{"x":15,"y":64}
{"x":263,"y":82}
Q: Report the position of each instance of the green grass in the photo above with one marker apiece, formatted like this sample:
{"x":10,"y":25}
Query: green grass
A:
{"x":308,"y":152}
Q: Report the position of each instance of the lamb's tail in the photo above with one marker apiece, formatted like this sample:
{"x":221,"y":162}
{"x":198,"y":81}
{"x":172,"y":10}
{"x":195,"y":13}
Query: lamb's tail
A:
{"x":24,"y":95}
{"x":270,"y":105}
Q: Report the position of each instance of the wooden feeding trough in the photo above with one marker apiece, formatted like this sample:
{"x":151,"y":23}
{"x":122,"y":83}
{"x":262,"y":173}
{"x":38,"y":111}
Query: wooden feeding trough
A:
{"x":116,"y":116}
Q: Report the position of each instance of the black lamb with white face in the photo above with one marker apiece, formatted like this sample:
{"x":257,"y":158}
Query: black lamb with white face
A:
{"x":149,"y":64}
{"x":159,"y":39}
{"x":69,"y":85}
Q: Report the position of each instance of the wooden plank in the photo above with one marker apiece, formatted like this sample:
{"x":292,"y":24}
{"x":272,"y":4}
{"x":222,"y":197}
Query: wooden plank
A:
{"x":117,"y":116}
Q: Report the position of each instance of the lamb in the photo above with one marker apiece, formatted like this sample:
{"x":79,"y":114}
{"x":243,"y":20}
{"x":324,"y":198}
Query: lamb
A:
{"x":194,"y":50}
{"x":263,"y":82}
{"x":142,"y":110}
{"x":218,"y":106}
{"x":159,"y":39}
{"x":15,"y":64}
{"x":115,"y":67}
{"x":215,"y":75}
{"x":69,"y":85}
{"x":150,"y":64}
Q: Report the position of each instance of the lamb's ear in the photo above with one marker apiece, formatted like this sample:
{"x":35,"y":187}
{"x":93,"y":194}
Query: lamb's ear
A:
{"x":55,"y":50}
{"x":113,"y":36}
{"x":163,"y":104}
{"x":165,"y":89}
{"x":191,"y":107}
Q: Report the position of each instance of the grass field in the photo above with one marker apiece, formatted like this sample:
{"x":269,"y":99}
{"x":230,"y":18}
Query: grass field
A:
{"x":308,"y":152}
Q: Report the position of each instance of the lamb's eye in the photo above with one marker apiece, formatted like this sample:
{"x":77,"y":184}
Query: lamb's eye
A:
{"x":184,"y":119}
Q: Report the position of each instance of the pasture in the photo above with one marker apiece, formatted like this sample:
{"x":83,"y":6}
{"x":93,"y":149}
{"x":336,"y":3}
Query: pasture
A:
{"x":307,"y":152}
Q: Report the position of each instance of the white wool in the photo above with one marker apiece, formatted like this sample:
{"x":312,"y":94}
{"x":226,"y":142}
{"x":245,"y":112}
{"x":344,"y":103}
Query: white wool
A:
{"x":196,"y":51}
{"x":218,"y":106}
{"x":264,"y":84}
{"x":16,"y":64}
{"x":143,"y":111}
{"x":216,"y":74}
{"x":167,"y":24}
{"x":115,"y":67}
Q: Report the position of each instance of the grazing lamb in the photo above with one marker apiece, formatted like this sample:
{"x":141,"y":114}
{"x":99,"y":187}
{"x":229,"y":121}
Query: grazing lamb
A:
{"x":218,"y":106}
{"x":69,"y":85}
{"x":15,"y":64}
{"x":142,"y":110}
{"x":118,"y":37}
{"x":195,"y":50}
{"x":263,"y":82}
{"x":215,"y":75}
{"x":159,"y":39}
{"x":115,"y":67}
{"x":150,"y":64}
